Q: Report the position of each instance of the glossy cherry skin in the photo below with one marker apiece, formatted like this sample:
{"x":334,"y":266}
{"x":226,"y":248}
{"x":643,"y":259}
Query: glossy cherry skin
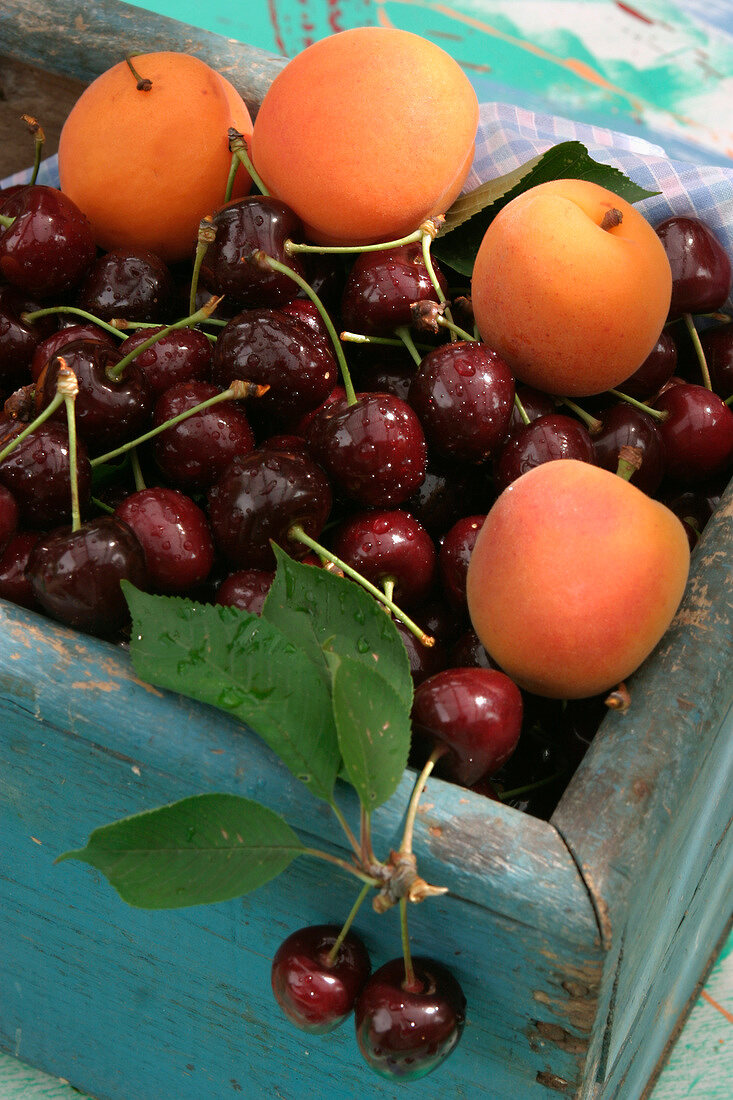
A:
{"x":37,"y":474}
{"x":9,"y":516}
{"x":315,"y":994}
{"x":270,"y":347}
{"x":256,"y":222}
{"x":183,"y":355}
{"x":424,"y":660}
{"x":701,"y":268}
{"x":108,"y":411}
{"x":49,"y":246}
{"x":259,"y":498}
{"x":544,"y":440}
{"x":535,"y":404}
{"x":717,"y":344}
{"x":374,"y":450}
{"x":463,"y":394}
{"x":76,"y":574}
{"x":14,"y":584}
{"x":134,"y":284}
{"x":194,"y":453}
{"x":625,"y":426}
{"x":382,"y":286}
{"x":476,"y":712}
{"x":54,"y":343}
{"x":449,"y":491}
{"x":246,"y":589}
{"x":454,"y":556}
{"x":389,"y":546}
{"x":175,"y":535}
{"x":406,"y":1034}
{"x":697,"y":434}
{"x":657,"y":369}
{"x":18,"y":342}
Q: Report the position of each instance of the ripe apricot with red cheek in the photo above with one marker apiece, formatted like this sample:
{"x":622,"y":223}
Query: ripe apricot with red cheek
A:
{"x":571,"y":287}
{"x":574,"y":578}
{"x":366,"y":133}
{"x":146,"y":165}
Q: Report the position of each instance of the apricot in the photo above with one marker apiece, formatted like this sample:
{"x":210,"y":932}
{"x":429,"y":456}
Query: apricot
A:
{"x":146,"y":166}
{"x":571,"y":287}
{"x":574,"y":578}
{"x":366,"y":133}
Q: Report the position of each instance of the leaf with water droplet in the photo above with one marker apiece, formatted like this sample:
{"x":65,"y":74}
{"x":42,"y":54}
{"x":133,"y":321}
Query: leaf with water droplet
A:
{"x":208,"y":848}
{"x":314,"y":607}
{"x":373,"y":727}
{"x":245,"y":666}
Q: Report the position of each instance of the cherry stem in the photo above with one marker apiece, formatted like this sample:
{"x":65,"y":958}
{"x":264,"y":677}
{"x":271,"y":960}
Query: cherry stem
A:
{"x":410,"y":984}
{"x":406,"y":337}
{"x":347,"y":829}
{"x":390,"y":341}
{"x":237,"y":391}
{"x":29,"y":317}
{"x":694,"y":336}
{"x":417,"y":790}
{"x":629,"y":461}
{"x":5,"y":221}
{"x":206,"y":236}
{"x":517,"y":791}
{"x":592,"y":423}
{"x":297,"y":533}
{"x":68,"y":387}
{"x":102,"y":506}
{"x":115,"y":373}
{"x":234,"y":164}
{"x":50,"y":409}
{"x":331,"y":957}
{"x":261,"y":257}
{"x":293,"y":247}
{"x":39,"y":141}
{"x":342,"y":863}
{"x":521,"y":409}
{"x":238,"y":147}
{"x":455,"y":330}
{"x":136,"y":470}
{"x":143,"y":83}
{"x":657,"y":414}
{"x":429,"y":233}
{"x":365,"y":830}
{"x":728,"y":400}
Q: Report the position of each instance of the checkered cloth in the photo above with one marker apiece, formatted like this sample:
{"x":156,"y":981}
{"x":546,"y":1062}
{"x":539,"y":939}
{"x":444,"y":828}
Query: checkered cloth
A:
{"x":509,"y":136}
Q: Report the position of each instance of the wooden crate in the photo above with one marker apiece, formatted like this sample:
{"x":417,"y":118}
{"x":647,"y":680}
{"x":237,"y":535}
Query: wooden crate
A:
{"x":579,"y":942}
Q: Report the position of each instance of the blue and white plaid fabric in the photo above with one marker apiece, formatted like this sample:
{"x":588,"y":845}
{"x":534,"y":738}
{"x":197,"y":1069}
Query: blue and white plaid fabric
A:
{"x":509,"y":136}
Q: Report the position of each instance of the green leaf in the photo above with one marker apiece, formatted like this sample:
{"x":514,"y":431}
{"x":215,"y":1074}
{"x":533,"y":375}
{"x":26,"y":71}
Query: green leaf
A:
{"x":373,"y":726}
{"x":469,"y":217}
{"x":244,"y":665}
{"x":204,"y":849}
{"x":313,"y":607}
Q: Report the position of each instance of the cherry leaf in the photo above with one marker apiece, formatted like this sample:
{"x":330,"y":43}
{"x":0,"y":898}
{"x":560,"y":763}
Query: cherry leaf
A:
{"x":314,"y":607}
{"x":244,"y":665}
{"x":468,"y":219}
{"x":208,"y":848}
{"x":373,"y":726}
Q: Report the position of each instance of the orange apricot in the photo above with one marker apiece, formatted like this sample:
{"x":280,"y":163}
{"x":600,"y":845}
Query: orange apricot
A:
{"x":574,"y":578}
{"x":571,"y":286}
{"x":366,"y":133}
{"x":146,"y":166}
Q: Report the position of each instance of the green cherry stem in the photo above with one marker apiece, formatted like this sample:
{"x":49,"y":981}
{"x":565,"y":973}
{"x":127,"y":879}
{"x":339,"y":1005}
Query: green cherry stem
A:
{"x":517,"y":791}
{"x":260,"y":257}
{"x":5,"y":221}
{"x":406,"y":337}
{"x":410,"y":984}
{"x":699,"y":352}
{"x":293,"y":247}
{"x":342,"y":863}
{"x":238,"y":147}
{"x":592,"y":423}
{"x":102,"y":506}
{"x":657,"y":414}
{"x":388,"y":341}
{"x":233,"y":165}
{"x":455,"y":330}
{"x":116,"y":372}
{"x":56,"y":401}
{"x":39,"y":140}
{"x":237,"y":391}
{"x":521,"y":409}
{"x":136,"y":470}
{"x":68,"y":387}
{"x":417,"y":791}
{"x":365,"y":830}
{"x":297,"y":533}
{"x":629,"y":461}
{"x":206,"y":236}
{"x":331,"y":957}
{"x":49,"y":311}
{"x":347,"y":829}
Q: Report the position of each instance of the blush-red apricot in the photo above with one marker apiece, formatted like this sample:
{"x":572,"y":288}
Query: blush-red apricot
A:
{"x":574,"y":578}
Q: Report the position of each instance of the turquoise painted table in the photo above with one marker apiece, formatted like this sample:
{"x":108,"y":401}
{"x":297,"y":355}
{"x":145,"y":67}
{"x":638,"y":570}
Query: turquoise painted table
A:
{"x":660,"y":69}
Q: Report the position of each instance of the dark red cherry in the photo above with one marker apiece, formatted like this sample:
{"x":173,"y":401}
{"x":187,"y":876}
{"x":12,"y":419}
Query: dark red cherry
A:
{"x":9,"y":516}
{"x":256,"y":222}
{"x":257,"y":501}
{"x":454,"y":555}
{"x":381,"y":287}
{"x":463,"y":393}
{"x":374,"y":450}
{"x":449,"y":491}
{"x":76,"y":575}
{"x":307,"y":312}
{"x":717,"y":344}
{"x":315,"y":993}
{"x":175,"y":535}
{"x":49,"y":246}
{"x":544,"y":440}
{"x":194,"y":453}
{"x":625,"y":426}
{"x":701,"y":268}
{"x":129,"y":283}
{"x":389,"y":547}
{"x":697,"y":433}
{"x":18,"y":342}
{"x":657,"y":369}
{"x":246,"y":589}
{"x":182,"y":355}
{"x":468,"y":652}
{"x":37,"y":473}
{"x":14,"y":584}
{"x":476,"y":712}
{"x":407,"y":1033}
{"x":53,"y":344}
{"x":534,"y":402}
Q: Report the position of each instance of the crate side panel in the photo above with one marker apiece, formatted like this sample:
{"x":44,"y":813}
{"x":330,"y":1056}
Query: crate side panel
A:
{"x":126,"y":1002}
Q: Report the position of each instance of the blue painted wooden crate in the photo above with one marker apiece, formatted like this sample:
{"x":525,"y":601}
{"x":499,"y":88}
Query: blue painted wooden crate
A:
{"x":579,"y":942}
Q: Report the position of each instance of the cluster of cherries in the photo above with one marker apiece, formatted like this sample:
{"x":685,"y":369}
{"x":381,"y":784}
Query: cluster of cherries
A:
{"x":167,"y":429}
